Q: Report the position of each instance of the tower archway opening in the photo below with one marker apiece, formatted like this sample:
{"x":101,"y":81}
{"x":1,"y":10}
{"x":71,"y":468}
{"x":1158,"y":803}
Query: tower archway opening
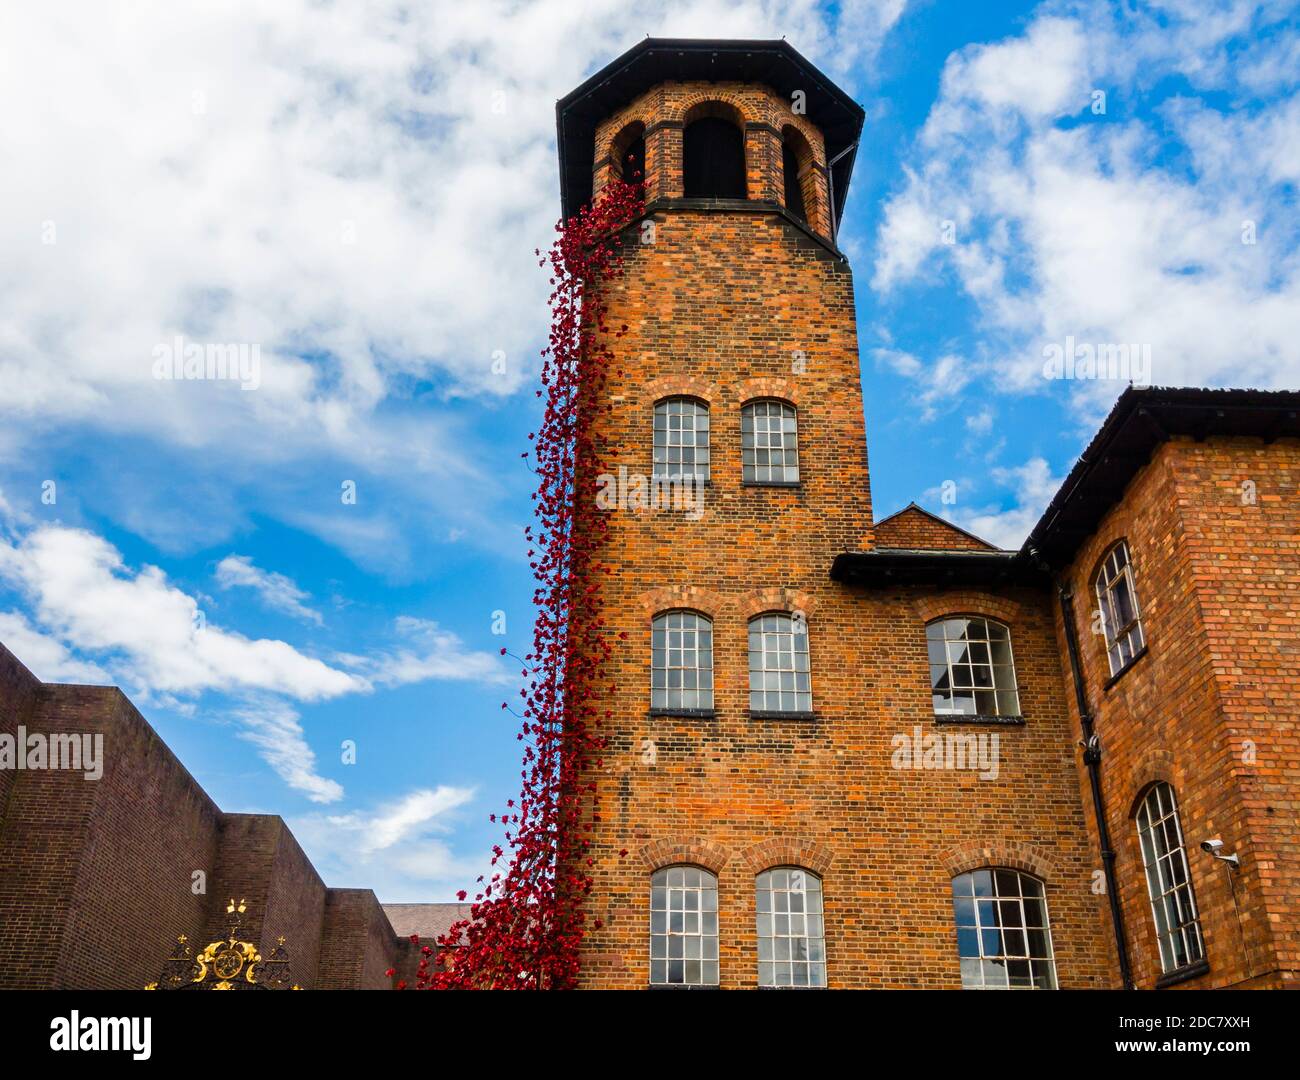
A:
{"x":628,"y":153}
{"x":713,"y":153}
{"x":796,"y":167}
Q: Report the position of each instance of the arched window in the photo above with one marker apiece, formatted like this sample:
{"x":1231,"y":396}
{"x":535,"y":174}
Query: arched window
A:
{"x":1173,"y":904}
{"x":779,"y":680}
{"x":972,"y":672}
{"x":713,"y":153}
{"x":791,"y":934}
{"x":683,"y":927}
{"x":1003,"y":935}
{"x":769,"y":443}
{"x":1120,"y":617}
{"x":681,"y":439}
{"x":796,"y":158}
{"x":628,"y":153}
{"x":681,"y":665}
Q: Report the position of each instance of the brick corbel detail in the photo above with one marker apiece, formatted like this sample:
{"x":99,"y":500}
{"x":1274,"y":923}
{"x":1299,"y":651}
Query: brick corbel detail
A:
{"x":965,"y":602}
{"x":706,"y":601}
{"x":769,"y":387}
{"x":1026,"y":857}
{"x":788,"y":851}
{"x":757,"y":601}
{"x":675,"y":850}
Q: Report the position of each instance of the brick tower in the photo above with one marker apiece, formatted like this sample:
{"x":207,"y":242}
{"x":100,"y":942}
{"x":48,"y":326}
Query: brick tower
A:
{"x":749,"y":758}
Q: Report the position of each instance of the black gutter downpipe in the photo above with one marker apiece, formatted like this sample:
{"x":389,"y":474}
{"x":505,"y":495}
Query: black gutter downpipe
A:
{"x":1092,"y":758}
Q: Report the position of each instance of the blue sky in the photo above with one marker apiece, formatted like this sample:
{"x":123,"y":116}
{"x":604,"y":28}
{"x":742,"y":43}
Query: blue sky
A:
{"x":357,"y":189}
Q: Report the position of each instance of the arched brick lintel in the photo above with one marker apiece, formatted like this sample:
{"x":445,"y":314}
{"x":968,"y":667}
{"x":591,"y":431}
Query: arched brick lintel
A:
{"x":968,"y":602}
{"x":668,"y":386}
{"x":788,"y":851}
{"x":757,"y":601}
{"x":1026,"y":857}
{"x":691,"y":597}
{"x":768,"y":386}
{"x":678,"y":850}
{"x":1154,"y":765}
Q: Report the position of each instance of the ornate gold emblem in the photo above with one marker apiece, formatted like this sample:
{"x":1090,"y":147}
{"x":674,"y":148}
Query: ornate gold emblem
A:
{"x":231,"y":964}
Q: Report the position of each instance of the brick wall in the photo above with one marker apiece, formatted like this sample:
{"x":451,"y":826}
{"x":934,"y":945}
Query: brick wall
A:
{"x":718,"y":307}
{"x":18,"y":688}
{"x":1212,"y":706}
{"x":358,"y":944}
{"x":101,"y":869}
{"x":96,"y":875}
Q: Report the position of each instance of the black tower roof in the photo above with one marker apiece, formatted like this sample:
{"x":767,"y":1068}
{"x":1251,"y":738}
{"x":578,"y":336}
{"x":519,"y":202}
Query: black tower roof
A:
{"x":774,"y":63}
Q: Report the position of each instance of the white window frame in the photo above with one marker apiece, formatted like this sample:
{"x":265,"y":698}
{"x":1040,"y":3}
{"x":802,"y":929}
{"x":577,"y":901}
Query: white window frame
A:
{"x":780,"y":668}
{"x":683,"y":921}
{"x":681,"y":652}
{"x":997,"y":909}
{"x":982,"y":667}
{"x":769,"y":454}
{"x":1123,"y":641}
{"x":791,"y":927}
{"x":1171,"y":898}
{"x":681,"y":428}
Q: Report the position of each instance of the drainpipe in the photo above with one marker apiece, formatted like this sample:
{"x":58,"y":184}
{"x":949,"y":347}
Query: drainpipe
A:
{"x":1092,"y":758}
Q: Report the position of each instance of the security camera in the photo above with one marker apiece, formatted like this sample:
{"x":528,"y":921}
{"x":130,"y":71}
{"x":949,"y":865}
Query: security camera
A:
{"x":1215,"y":847}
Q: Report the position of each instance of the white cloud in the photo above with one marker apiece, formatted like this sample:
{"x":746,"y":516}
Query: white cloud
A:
{"x":274,"y":728}
{"x":941,"y":382}
{"x":434,"y":653}
{"x":1090,"y":229}
{"x":1032,"y":486}
{"x":155,"y":636}
{"x":980,"y":423}
{"x":277,"y":591}
{"x":1040,"y":74}
{"x":399,"y":849}
{"x":355,"y":187}
{"x":81,"y":590}
{"x":45,"y":657}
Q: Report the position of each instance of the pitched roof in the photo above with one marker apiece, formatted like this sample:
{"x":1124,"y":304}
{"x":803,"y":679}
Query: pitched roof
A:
{"x":1142,"y":419}
{"x":430,"y":921}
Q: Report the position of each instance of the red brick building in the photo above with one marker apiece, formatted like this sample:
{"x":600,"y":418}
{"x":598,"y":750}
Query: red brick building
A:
{"x":844,"y":752}
{"x":861,"y":754}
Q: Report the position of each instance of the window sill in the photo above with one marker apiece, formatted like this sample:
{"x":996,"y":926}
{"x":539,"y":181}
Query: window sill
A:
{"x":665,"y":478}
{"x":771,"y":483}
{"x":979,"y":718}
{"x":1182,"y":974}
{"x":783,"y":988}
{"x":681,"y":986}
{"x":692,"y":714}
{"x":765,"y":714}
{"x":1125,"y":669}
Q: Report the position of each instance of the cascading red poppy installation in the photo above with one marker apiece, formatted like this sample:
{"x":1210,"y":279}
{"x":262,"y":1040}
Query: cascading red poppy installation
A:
{"x":526,"y":923}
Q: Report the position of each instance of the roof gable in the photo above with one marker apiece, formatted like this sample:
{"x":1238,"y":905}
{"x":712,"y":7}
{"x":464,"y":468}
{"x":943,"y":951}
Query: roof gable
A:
{"x":916,"y":529}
